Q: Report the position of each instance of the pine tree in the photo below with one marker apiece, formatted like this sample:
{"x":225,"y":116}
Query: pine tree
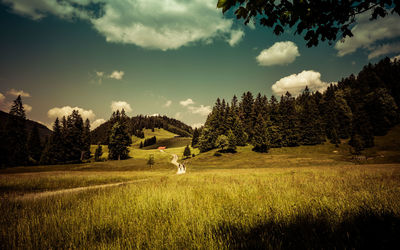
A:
{"x":289,"y":121}
{"x":239,"y":132}
{"x":16,"y":136}
{"x":195,"y":139}
{"x":207,"y":139}
{"x":151,"y":160}
{"x":119,"y":142}
{"x":98,"y":153}
{"x":53,"y":152}
{"x":86,"y":140}
{"x":231,"y":142}
{"x":245,"y":112}
{"x":34,"y":145}
{"x":186,"y":152}
{"x":260,"y":139}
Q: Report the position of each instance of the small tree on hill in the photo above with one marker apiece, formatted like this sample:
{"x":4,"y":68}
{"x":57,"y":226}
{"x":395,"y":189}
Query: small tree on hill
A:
{"x":98,"y":153}
{"x":187,"y":152}
{"x":119,"y":142}
{"x":151,"y":161}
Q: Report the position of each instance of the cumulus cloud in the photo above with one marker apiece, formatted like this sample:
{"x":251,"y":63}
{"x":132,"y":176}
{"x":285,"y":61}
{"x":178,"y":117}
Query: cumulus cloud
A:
{"x":97,"y":123}
{"x":296,"y":83}
{"x":2,"y":97}
{"x":149,"y":24}
{"x":168,"y":104}
{"x":392,"y":59}
{"x":278,"y":54}
{"x":117,"y":75}
{"x":384,"y":50}
{"x":201,"y":110}
{"x":15,"y":92}
{"x":67,"y":110}
{"x":197,"y":125}
{"x":27,"y":107}
{"x":119,"y":105}
{"x":368,"y":33}
{"x":236,"y":37}
{"x":186,"y":102}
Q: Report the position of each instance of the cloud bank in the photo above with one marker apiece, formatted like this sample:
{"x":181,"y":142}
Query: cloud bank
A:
{"x":186,"y":102}
{"x":119,"y":105}
{"x":296,"y":83}
{"x":149,"y":24}
{"x":67,"y":110}
{"x":16,"y":93}
{"x":278,"y":54}
{"x":369,"y":35}
{"x":117,"y":75}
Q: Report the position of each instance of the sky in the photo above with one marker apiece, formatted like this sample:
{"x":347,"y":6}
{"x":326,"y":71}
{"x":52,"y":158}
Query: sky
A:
{"x":171,"y":57}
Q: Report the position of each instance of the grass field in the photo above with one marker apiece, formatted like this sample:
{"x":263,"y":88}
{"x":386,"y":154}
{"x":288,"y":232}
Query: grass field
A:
{"x":303,"y":197}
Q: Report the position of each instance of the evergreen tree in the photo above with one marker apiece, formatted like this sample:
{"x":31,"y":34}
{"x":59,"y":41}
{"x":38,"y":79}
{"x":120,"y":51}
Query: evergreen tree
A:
{"x":195,"y":139}
{"x":186,"y":152}
{"x":260,"y":139}
{"x":16,"y":136}
{"x":231,"y":141}
{"x":119,"y":142}
{"x":98,"y":153}
{"x":245,"y":112}
{"x":141,"y":145}
{"x":86,"y":140}
{"x":207,"y":139}
{"x":151,"y":160}
{"x":34,"y":145}
{"x":289,"y":121}
{"x":239,"y":132}
{"x":309,"y":120}
{"x":53,"y":152}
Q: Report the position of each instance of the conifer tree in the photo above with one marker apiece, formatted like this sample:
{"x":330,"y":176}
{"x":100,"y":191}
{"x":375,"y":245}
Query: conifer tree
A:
{"x":231,"y":141}
{"x":34,"y":145}
{"x":86,"y":140}
{"x":239,"y":132}
{"x":119,"y":142}
{"x":98,"y":153}
{"x":245,"y":111}
{"x":195,"y":139}
{"x":16,"y":136}
{"x":260,"y":140}
{"x":141,"y":144}
{"x":289,"y":121}
{"x":53,"y":152}
{"x":151,"y":160}
{"x":186,"y":152}
{"x":207,"y":138}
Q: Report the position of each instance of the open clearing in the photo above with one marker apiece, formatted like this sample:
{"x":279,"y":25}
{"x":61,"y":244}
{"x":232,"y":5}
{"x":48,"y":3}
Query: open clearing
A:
{"x":304,"y":197}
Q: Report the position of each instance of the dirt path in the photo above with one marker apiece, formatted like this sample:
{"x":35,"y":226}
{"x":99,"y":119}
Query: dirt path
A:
{"x":181,"y":167}
{"x":31,"y":196}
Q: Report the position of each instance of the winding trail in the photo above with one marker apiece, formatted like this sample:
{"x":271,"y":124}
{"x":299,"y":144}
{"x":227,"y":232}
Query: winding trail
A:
{"x":41,"y":195}
{"x":30,"y":196}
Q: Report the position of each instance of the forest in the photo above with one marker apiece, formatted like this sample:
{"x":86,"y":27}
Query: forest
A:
{"x":356,"y":108}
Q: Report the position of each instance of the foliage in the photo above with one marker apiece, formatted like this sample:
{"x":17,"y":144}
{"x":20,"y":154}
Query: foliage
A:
{"x":34,"y":146}
{"x":221,"y":142}
{"x":260,"y":139}
{"x":315,"y":20}
{"x":186,"y":152}
{"x":151,"y":161}
{"x":119,"y":142}
{"x":98,"y":153}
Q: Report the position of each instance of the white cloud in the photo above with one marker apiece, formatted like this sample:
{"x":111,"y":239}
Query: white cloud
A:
{"x":201,"y":110}
{"x":15,"y":92}
{"x":178,"y":115}
{"x":117,"y":75}
{"x":186,"y":102}
{"x":236,"y":37}
{"x":168,"y":104}
{"x":296,"y":83}
{"x":67,"y":110}
{"x":99,"y":73}
{"x":97,"y":123}
{"x":367,"y":33}
{"x":395,"y":57}
{"x":197,"y":125}
{"x":119,"y":105}
{"x":151,"y":24}
{"x":27,"y":107}
{"x":384,"y":50}
{"x":278,"y":54}
{"x":2,"y":97}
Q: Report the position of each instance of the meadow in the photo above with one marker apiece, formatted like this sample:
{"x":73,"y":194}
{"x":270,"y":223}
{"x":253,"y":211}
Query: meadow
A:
{"x":303,"y":197}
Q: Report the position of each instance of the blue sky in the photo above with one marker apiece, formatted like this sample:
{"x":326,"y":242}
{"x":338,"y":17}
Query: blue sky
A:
{"x":170,"y":57}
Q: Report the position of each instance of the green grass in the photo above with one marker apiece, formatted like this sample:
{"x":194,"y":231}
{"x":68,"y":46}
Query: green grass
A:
{"x":304,"y":197}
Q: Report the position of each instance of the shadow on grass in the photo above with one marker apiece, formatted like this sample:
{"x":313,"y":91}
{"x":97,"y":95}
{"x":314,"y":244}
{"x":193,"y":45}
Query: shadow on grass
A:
{"x":366,"y":230}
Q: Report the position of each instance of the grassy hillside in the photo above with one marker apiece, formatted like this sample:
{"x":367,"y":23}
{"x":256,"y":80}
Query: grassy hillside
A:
{"x":164,"y":138}
{"x":387,"y":148}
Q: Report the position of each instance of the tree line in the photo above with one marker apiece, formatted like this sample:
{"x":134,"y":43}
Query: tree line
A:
{"x":136,"y":124}
{"x":148,"y":142}
{"x":356,"y":108}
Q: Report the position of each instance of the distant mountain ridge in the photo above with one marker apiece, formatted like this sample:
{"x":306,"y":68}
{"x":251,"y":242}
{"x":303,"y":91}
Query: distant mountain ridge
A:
{"x":43,"y":130}
{"x":136,"y":124}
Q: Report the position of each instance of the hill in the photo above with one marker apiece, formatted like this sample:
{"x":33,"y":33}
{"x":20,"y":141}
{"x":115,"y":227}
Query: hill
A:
{"x":43,"y":130}
{"x":137,"y":126}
